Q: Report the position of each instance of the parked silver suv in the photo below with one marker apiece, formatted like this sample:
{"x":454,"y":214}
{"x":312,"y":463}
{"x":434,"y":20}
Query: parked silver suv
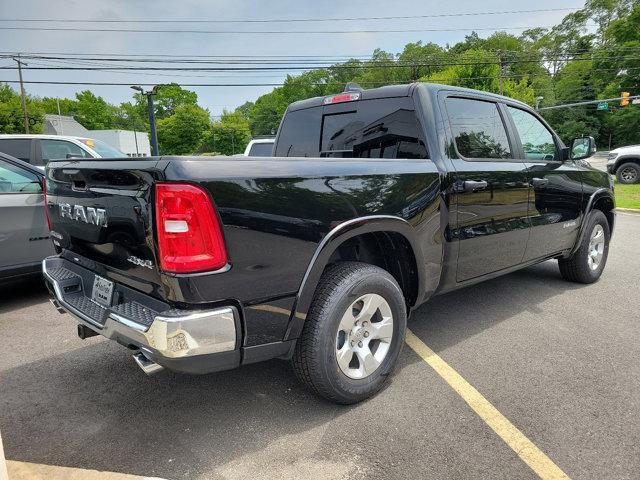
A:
{"x":39,"y":149}
{"x":24,"y":233}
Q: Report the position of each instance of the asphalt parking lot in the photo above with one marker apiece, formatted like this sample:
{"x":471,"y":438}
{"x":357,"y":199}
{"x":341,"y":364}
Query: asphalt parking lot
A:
{"x":559,"y":360}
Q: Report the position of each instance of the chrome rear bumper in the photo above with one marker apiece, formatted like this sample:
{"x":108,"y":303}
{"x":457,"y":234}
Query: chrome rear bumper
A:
{"x":169,"y":337}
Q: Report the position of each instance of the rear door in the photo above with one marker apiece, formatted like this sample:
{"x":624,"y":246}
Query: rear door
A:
{"x":555,"y":197}
{"x":489,"y":187}
{"x":24,"y":235}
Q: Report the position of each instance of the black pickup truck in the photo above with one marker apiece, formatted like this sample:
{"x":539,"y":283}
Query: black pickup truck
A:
{"x":374,"y":201}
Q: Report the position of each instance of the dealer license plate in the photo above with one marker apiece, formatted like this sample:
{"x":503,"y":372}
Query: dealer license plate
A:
{"x":102,"y":291}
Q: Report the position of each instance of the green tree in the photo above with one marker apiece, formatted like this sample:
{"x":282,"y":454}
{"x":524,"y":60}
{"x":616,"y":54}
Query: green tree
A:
{"x":229,"y":135}
{"x":183,"y":132}
{"x":11,"y":116}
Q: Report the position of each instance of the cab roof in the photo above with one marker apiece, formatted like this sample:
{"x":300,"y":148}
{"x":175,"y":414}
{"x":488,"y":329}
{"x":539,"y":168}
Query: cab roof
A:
{"x":405,"y":90}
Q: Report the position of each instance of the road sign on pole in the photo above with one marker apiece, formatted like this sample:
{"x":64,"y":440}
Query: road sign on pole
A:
{"x":603,"y":106}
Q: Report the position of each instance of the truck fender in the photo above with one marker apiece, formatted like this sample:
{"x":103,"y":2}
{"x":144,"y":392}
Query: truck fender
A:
{"x":595,"y":196}
{"x":330,"y":243}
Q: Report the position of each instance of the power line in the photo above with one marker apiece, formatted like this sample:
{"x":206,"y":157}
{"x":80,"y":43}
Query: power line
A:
{"x":266,"y":32}
{"x":289,"y":67}
{"x":296,"y":20}
{"x":236,"y":56}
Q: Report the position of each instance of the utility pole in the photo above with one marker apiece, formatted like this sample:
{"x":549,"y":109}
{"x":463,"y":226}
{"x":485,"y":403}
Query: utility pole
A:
{"x":152,"y":116}
{"x":23,"y":95}
{"x":501,"y":73}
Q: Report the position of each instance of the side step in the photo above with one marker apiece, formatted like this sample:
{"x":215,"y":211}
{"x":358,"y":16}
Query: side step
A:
{"x":147,"y":366}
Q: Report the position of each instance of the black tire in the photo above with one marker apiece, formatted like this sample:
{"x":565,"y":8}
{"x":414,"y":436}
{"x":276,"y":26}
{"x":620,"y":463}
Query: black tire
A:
{"x":315,"y":359}
{"x":628,"y":173}
{"x":576,"y":268}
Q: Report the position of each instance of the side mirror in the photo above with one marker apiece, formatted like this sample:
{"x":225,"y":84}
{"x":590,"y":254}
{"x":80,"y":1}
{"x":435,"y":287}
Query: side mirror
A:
{"x":582,"y":147}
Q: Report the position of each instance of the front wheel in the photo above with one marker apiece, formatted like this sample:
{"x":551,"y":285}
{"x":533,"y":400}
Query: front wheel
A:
{"x":353,"y":333}
{"x":587,"y":263}
{"x":628,"y":173}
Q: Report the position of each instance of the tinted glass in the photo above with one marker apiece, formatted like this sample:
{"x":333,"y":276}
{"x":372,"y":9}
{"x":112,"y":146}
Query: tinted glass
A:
{"x":16,"y":147}
{"x":300,"y":134}
{"x":261,"y":150}
{"x":103,"y":149}
{"x":477,"y":128}
{"x":60,"y":150}
{"x":17,"y":180}
{"x":536,"y":140}
{"x":385,"y":128}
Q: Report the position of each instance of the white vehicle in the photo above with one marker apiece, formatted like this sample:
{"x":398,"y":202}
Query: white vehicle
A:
{"x":39,"y":149}
{"x":260,"y":147}
{"x":624,"y":163}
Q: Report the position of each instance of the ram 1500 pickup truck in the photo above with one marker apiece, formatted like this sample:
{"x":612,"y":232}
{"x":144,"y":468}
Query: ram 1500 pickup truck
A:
{"x":374,"y":201}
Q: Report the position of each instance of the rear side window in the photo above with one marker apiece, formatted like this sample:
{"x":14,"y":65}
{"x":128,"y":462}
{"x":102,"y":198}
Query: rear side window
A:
{"x":477,"y":128}
{"x":17,"y":147}
{"x":385,"y":128}
{"x":14,"y":179}
{"x":60,"y":150}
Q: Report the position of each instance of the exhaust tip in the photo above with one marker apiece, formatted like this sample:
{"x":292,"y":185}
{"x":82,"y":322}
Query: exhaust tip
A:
{"x":147,"y":366}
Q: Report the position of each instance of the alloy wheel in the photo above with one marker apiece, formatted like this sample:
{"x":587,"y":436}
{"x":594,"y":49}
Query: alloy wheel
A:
{"x":364,"y":336}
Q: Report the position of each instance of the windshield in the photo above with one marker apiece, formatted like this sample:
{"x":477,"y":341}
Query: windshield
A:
{"x":103,"y":149}
{"x":263,"y":149}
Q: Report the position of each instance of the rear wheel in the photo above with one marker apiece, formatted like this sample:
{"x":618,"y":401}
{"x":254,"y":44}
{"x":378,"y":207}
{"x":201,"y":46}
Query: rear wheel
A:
{"x":353,"y":333}
{"x":628,"y":173}
{"x":587,"y":263}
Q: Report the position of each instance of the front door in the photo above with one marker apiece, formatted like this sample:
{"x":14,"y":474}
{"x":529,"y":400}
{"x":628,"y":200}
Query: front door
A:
{"x":555,"y":197}
{"x":490,"y":189}
{"x":24,"y":235}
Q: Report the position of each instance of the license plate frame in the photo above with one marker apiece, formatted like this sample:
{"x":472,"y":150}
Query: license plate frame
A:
{"x":102,"y":292}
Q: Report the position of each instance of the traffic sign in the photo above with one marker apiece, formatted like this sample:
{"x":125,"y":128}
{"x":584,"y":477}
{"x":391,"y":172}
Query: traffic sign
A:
{"x":603,"y":106}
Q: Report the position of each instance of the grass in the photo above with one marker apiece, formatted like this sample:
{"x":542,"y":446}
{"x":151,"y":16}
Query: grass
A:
{"x":628,"y":196}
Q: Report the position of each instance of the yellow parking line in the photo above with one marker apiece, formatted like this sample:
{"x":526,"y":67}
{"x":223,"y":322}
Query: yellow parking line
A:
{"x":519,"y":443}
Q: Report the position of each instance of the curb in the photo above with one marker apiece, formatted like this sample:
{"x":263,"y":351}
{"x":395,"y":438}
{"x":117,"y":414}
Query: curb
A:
{"x":628,"y":210}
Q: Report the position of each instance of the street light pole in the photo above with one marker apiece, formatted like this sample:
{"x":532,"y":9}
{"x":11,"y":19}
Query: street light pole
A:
{"x":152,"y":124}
{"x":152,"y":116}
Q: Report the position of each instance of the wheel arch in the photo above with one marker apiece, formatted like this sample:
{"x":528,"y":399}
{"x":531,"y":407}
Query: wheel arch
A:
{"x":632,"y":158}
{"x":602,"y":199}
{"x":385,"y":230}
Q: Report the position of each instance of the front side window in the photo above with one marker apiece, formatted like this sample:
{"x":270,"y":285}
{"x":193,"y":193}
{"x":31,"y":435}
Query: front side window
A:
{"x":536,"y":139}
{"x":477,"y":128}
{"x":17,"y":180}
{"x":61,"y":150}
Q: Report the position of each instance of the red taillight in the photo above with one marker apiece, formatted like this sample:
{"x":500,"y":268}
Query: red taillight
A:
{"x":46,"y":205}
{"x":343,"y":97}
{"x":189,"y":235}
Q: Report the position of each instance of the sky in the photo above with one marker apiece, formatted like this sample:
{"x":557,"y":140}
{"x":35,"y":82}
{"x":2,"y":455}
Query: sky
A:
{"x":237,"y":44}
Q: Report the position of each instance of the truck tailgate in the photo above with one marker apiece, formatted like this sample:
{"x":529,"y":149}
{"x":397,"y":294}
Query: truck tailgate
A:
{"x":102,"y":215}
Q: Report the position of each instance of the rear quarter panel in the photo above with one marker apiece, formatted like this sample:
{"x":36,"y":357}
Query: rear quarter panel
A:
{"x":276,"y":212}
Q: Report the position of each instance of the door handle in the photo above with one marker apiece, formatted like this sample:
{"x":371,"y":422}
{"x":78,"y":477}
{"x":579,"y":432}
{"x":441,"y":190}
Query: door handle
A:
{"x":473,"y":185}
{"x":539,"y":182}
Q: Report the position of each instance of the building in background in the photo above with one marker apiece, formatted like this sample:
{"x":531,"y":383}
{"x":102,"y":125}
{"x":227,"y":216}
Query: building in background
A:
{"x":131,"y":142}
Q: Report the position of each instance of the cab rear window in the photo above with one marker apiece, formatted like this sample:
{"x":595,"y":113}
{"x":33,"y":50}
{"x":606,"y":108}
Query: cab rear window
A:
{"x":386,"y":128}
